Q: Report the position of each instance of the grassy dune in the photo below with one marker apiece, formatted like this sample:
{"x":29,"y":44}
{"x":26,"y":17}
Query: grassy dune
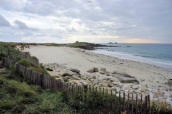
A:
{"x":17,"y":96}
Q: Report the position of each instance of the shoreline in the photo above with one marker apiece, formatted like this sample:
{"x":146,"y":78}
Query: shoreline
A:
{"x":88,"y":68}
{"x":122,"y":55}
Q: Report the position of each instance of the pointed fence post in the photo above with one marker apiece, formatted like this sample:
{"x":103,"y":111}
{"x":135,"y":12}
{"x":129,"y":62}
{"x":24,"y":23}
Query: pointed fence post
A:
{"x":146,"y":104}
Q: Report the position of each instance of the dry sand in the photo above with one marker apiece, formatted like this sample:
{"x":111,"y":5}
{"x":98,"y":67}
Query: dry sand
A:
{"x":141,"y":77}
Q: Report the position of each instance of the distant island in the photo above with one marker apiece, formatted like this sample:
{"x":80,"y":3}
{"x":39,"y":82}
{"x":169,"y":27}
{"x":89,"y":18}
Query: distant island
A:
{"x":112,"y":43}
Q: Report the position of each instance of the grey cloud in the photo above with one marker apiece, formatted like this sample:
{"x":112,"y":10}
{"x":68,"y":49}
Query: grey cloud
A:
{"x":12,"y":4}
{"x":4,"y":22}
{"x":21,"y":25}
{"x":136,"y":18}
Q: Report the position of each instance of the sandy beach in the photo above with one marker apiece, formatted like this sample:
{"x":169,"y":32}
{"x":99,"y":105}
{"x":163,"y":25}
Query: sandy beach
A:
{"x":84,"y":67}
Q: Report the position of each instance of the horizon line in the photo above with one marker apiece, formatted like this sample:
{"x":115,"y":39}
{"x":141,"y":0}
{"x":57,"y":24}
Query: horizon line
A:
{"x":83,"y":41}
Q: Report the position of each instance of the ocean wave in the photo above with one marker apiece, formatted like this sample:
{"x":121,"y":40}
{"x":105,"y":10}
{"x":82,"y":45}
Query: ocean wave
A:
{"x":145,"y":59}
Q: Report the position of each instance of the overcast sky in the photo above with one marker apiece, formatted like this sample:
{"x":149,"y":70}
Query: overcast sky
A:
{"x":137,"y":21}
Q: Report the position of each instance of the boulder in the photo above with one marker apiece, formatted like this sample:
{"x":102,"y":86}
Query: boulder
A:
{"x":110,"y":85}
{"x":94,"y":77}
{"x":125,"y":78}
{"x":129,"y":80}
{"x":83,"y":51}
{"x":102,"y":70}
{"x":67,"y":73}
{"x":93,"y":70}
{"x":107,"y":73}
{"x":170,"y":82}
{"x":84,"y":83}
{"x":116,"y":84}
{"x":66,"y":79}
{"x":75,"y":70}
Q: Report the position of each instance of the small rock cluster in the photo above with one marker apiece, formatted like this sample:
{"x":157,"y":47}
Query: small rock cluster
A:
{"x":97,"y":77}
{"x":100,"y":77}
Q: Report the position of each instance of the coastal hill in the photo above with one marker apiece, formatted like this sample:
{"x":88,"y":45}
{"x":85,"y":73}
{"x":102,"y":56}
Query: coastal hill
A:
{"x":77,"y":44}
{"x":82,"y":45}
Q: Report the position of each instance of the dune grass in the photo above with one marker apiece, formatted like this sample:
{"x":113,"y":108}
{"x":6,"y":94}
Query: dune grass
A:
{"x":19,"y":97}
{"x":28,"y":64}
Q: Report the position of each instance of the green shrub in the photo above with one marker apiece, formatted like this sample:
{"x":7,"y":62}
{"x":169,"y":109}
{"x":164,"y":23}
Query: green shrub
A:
{"x":38,"y":69}
{"x":29,"y":65}
{"x":33,"y":57}
{"x":25,"y":62}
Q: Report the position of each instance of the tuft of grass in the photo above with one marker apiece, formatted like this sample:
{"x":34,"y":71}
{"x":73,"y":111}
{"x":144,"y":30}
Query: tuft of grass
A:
{"x":38,"y":69}
{"x":25,"y":63}
{"x":33,"y":57}
{"x":28,"y":64}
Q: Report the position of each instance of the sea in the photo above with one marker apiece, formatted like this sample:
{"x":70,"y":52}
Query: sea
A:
{"x":156,"y":54}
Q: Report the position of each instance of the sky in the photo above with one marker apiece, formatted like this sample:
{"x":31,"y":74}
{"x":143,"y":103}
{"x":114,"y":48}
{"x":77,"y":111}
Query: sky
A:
{"x":97,"y":21}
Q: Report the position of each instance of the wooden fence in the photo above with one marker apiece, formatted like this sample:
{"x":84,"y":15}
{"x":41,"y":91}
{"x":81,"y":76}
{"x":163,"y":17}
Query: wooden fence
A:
{"x":110,"y":102}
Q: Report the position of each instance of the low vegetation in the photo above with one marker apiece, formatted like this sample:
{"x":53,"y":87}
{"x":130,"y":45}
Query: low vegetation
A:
{"x":28,"y":64}
{"x":6,"y":49}
{"x":17,"y":96}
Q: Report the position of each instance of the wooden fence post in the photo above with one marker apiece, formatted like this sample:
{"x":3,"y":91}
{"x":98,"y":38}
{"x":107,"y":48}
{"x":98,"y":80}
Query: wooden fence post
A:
{"x":128,"y":105}
{"x":145,"y":104}
{"x":136,"y":103}
{"x":149,"y":111}
{"x":119,"y":102}
{"x":123,"y":101}
{"x":132,"y":111}
{"x":141,"y":101}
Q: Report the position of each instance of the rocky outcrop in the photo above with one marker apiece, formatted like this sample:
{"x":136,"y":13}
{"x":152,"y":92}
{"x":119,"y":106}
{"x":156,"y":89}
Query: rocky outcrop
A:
{"x":75,"y":71}
{"x":67,"y":73}
{"x":93,"y":70}
{"x":125,"y":78}
{"x":170,"y":82}
{"x":102,"y":70}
